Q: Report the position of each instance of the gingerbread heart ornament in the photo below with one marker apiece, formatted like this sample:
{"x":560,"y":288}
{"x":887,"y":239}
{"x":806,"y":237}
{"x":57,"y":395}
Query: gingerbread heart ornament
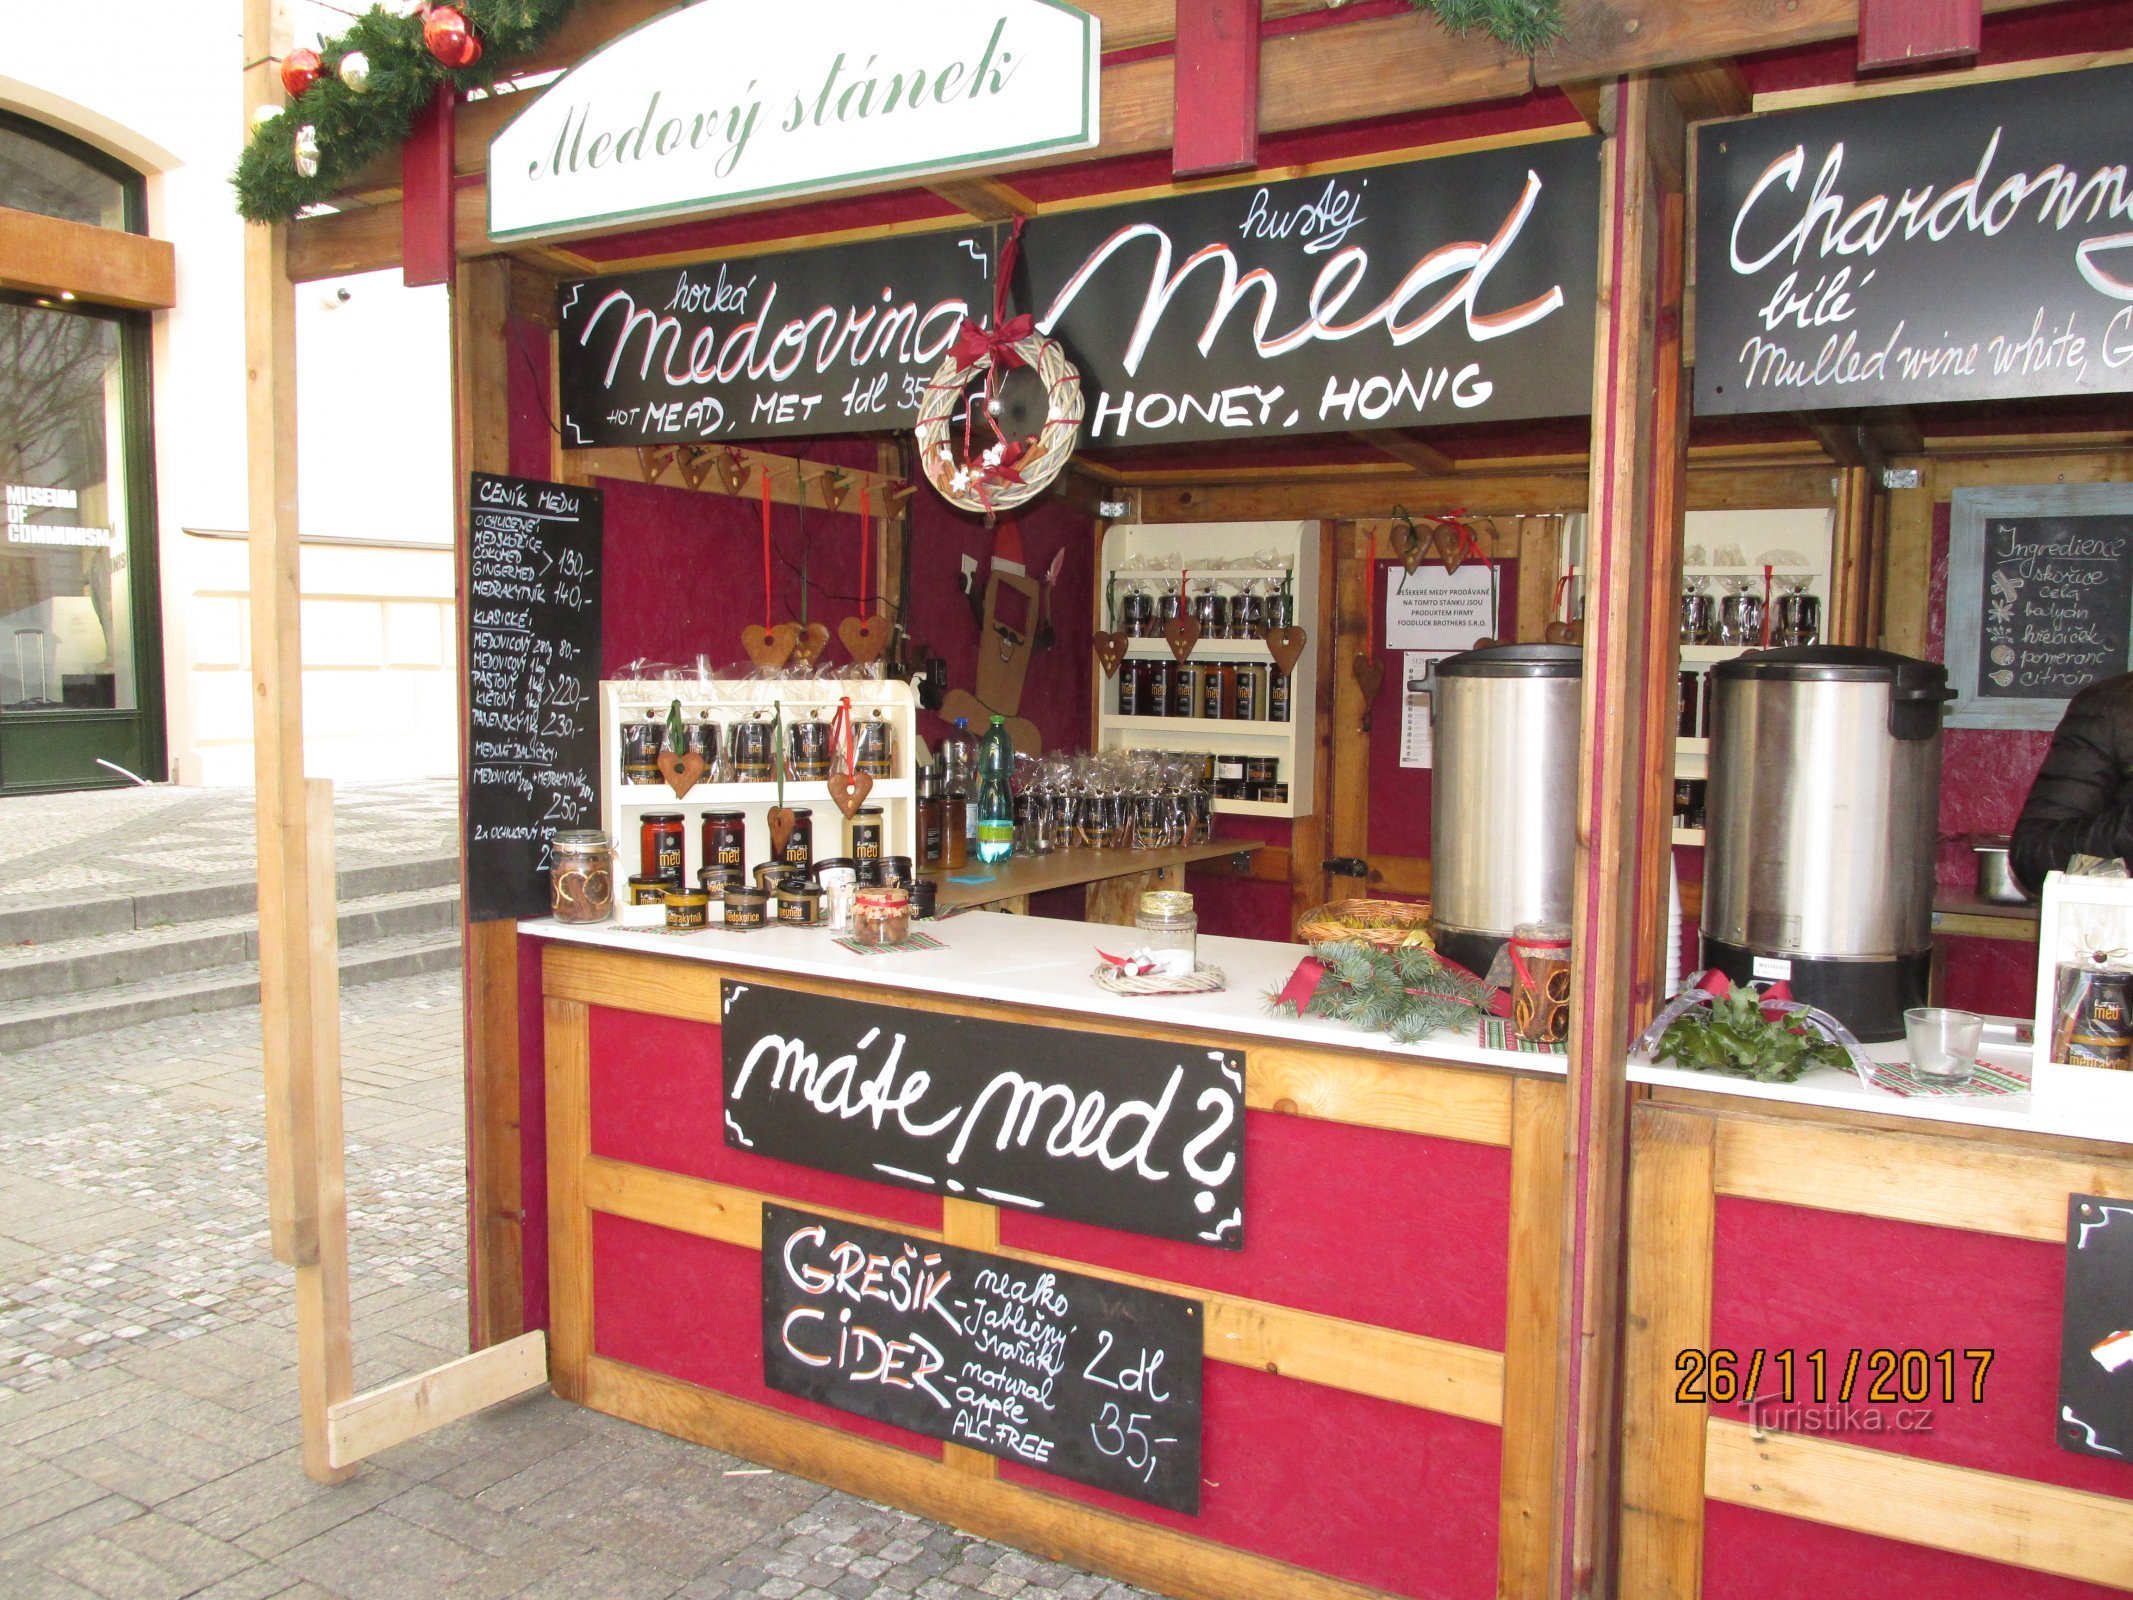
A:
{"x":1110,"y":651}
{"x":1369,"y":675}
{"x":1182,"y":633}
{"x":809,"y":643}
{"x":770,"y":647}
{"x":849,"y":790}
{"x":682,"y":772}
{"x":734,"y":471}
{"x":865,"y":638}
{"x":782,"y":821}
{"x":1286,"y":646}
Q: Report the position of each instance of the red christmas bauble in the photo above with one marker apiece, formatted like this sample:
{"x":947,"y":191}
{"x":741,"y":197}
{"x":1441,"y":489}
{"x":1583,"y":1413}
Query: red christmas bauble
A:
{"x":300,"y":69}
{"x":450,"y":37}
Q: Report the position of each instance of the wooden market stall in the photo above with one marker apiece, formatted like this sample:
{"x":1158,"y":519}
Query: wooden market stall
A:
{"x":1443,"y":1342}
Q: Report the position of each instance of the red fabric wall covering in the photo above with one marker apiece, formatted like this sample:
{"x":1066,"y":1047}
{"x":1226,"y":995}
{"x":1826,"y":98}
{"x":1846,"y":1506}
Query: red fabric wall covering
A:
{"x":1381,"y":1494}
{"x":2035,"y":33}
{"x":1757,"y":1555}
{"x":1791,"y":1277}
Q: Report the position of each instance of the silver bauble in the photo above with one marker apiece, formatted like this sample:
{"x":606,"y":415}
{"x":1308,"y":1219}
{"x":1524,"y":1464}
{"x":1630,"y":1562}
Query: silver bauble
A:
{"x":306,"y":153}
{"x":354,"y":71}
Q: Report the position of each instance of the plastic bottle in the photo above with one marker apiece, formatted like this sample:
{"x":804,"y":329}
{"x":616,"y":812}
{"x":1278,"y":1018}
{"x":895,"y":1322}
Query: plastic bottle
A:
{"x":996,"y":803}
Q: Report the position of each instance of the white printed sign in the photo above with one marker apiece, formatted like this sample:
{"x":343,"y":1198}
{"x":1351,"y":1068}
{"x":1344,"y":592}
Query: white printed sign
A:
{"x":727,"y":101}
{"x":1431,"y":609}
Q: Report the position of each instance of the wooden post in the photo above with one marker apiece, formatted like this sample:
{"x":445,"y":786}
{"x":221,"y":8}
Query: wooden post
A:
{"x":1217,"y":88}
{"x":1625,"y":775}
{"x":481,"y":298}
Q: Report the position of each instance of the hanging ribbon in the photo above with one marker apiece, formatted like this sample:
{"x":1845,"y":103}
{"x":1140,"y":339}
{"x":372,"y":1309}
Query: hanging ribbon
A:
{"x":766,"y":558}
{"x":841,"y":735}
{"x":1766,"y":608}
{"x":777,"y":747}
{"x":866,"y":547}
{"x":799,"y":483}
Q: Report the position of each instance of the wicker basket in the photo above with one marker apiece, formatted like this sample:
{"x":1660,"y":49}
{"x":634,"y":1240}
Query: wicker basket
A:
{"x":1388,"y":924}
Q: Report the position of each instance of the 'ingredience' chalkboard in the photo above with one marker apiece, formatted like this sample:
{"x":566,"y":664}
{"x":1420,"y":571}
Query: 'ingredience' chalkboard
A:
{"x":2096,"y":1329}
{"x":1453,"y":290}
{"x":1106,"y":1128}
{"x":533,"y":660}
{"x":2040,"y":586}
{"x":1098,"y":1382}
{"x":1955,"y":244}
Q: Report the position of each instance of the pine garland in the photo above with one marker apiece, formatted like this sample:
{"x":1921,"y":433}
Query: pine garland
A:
{"x":1407,"y":993}
{"x":1527,"y":26}
{"x":354,"y":129}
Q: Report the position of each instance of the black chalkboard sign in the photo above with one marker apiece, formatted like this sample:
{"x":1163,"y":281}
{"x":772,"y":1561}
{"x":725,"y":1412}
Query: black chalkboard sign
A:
{"x":1954,"y":244}
{"x":1459,"y":289}
{"x":2096,"y":1329}
{"x":1121,"y":1131}
{"x":533,"y":671}
{"x":2040,"y":585}
{"x":1096,"y":1381}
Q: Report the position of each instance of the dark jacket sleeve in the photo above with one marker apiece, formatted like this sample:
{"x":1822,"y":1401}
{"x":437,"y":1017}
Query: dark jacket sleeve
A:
{"x":2082,"y":800}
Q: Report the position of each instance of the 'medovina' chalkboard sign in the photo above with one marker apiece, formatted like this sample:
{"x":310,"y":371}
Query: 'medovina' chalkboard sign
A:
{"x":532,"y":664}
{"x":2096,"y":1329}
{"x":1096,"y":1381}
{"x":2040,"y":599}
{"x":1106,"y":1128}
{"x":1954,"y":244}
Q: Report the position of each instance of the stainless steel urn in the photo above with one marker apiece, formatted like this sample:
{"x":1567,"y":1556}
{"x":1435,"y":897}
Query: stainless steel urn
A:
{"x":1822,"y":816}
{"x":1503,"y":800}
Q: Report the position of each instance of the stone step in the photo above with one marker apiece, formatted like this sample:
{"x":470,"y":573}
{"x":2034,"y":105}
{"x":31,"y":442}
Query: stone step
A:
{"x":104,"y":960}
{"x":47,"y":919}
{"x":44,"y":1017}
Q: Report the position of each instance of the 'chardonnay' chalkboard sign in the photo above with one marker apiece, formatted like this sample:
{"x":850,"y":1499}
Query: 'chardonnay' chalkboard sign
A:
{"x":2040,"y":599}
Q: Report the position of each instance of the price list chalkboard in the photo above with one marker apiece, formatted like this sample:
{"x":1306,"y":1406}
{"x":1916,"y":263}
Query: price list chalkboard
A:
{"x":2040,"y":586}
{"x":532,"y":665}
{"x":1096,"y":1381}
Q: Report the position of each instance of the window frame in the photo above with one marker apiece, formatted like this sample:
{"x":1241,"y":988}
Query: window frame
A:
{"x":133,"y":186}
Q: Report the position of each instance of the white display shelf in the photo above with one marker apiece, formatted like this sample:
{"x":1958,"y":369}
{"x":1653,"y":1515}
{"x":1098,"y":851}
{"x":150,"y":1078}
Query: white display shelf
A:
{"x":1693,"y":654}
{"x":732,"y":700}
{"x":1242,"y":727}
{"x":1206,"y":550}
{"x":1689,"y":836}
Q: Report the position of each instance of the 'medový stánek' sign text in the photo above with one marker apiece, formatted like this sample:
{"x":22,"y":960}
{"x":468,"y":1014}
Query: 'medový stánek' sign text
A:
{"x":1124,"y":1132}
{"x":726,"y":101}
{"x":1953,"y":244}
{"x":1451,"y":290}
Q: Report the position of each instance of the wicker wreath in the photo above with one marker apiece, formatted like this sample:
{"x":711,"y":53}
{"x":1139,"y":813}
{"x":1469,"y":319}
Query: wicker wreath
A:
{"x":1388,"y":924}
{"x":1005,"y":473}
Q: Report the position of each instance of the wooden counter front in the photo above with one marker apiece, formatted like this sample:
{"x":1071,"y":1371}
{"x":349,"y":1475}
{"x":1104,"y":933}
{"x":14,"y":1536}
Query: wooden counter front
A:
{"x":1381,"y":1356}
{"x":1761,"y":1227}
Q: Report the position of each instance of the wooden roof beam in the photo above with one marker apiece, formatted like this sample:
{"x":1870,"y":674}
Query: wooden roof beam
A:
{"x":987,"y":199}
{"x":80,"y":261}
{"x":1406,"y":448}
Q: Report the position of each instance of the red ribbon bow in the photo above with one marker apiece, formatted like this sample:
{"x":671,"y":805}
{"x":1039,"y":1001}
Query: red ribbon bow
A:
{"x":973,"y":343}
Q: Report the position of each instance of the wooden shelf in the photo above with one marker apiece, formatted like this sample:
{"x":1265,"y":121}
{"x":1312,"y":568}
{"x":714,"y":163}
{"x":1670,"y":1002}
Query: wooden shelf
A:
{"x":1691,"y":653}
{"x":1689,"y":836}
{"x":1253,"y":808}
{"x":1206,"y":650}
{"x":750,"y":794}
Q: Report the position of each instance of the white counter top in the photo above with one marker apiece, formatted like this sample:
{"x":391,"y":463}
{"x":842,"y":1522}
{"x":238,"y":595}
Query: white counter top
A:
{"x":2070,"y":1114}
{"x":1045,"y":962}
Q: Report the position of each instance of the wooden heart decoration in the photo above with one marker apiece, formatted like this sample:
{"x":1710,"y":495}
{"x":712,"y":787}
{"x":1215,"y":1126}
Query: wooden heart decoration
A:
{"x":696,"y":466}
{"x":1447,"y":546}
{"x":849,"y":790}
{"x":1110,"y":651}
{"x":782,"y":822}
{"x":1486,"y":643}
{"x":1182,"y":633}
{"x":770,"y":647}
{"x":1564,"y":633}
{"x":1407,"y":544}
{"x":865,"y":638}
{"x":809,"y":642}
{"x":1286,"y":646}
{"x":682,"y":772}
{"x":835,"y":485}
{"x":733,"y":471}
{"x":1369,"y":676}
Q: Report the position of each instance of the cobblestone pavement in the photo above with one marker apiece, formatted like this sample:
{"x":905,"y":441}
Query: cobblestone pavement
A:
{"x":148,"y":1393}
{"x":128,"y":841}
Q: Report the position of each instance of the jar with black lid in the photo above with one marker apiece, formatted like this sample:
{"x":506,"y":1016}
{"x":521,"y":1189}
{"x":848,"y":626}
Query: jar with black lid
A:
{"x":800,"y":843}
{"x":660,"y":848}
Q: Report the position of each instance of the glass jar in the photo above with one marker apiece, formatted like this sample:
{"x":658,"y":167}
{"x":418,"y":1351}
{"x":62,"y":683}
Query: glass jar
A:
{"x":800,"y":904}
{"x":660,"y":848}
{"x":744,"y":908}
{"x":688,"y":909}
{"x":581,"y":876}
{"x":645,"y":906}
{"x":874,"y":747}
{"x":751,"y":753}
{"x":641,"y":744}
{"x":881,"y":916}
{"x":807,"y":757}
{"x":1170,"y":931}
{"x":800,"y":843}
{"x":725,"y":835}
{"x":866,"y":834}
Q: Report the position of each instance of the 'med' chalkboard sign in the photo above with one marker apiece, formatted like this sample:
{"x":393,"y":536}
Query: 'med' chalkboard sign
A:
{"x":1123,"y":1132}
{"x":1096,"y":1381}
{"x":1955,"y":244}
{"x":2040,"y":599}
{"x":2096,"y":1329}
{"x":532,"y":663}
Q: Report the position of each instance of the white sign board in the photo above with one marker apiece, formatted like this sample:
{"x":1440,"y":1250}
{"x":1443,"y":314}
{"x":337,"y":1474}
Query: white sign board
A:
{"x":731,"y":101}
{"x":1431,"y":609}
